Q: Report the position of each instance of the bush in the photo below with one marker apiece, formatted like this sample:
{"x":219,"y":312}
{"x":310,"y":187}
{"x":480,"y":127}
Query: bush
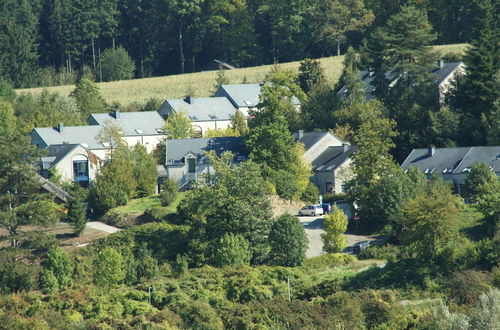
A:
{"x":390,"y":253}
{"x":288,"y":241}
{"x":109,"y":268}
{"x":179,"y":266}
{"x":335,"y":227}
{"x":116,"y":64}
{"x":311,"y":194}
{"x":118,"y":219}
{"x":48,"y":282}
{"x":169,"y":191}
{"x":467,"y":286}
{"x":231,"y":249}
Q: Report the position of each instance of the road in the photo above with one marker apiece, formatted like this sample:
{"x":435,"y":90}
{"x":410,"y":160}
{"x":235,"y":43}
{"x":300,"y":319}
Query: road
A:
{"x":313,"y":227}
{"x":102,"y":227}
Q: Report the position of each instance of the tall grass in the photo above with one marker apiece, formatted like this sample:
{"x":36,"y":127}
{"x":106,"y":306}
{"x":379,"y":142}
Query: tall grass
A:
{"x":201,"y":84}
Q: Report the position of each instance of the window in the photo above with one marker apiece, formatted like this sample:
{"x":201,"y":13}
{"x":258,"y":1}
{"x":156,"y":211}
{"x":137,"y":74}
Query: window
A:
{"x":192,"y":165}
{"x":81,"y":170}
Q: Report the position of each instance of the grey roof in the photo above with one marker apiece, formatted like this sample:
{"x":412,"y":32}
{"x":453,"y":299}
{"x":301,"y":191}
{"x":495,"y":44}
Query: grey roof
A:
{"x":177,"y":149}
{"x":241,"y":95}
{"x":367,"y":78}
{"x":71,"y":135}
{"x":453,"y":160}
{"x":244,"y":95}
{"x":201,"y":109}
{"x":132,"y":123}
{"x":60,"y":151}
{"x":332,"y":158}
{"x":309,"y":139}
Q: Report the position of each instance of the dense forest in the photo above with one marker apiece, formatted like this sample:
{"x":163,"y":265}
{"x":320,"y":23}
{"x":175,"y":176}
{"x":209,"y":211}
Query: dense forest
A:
{"x":50,"y":42}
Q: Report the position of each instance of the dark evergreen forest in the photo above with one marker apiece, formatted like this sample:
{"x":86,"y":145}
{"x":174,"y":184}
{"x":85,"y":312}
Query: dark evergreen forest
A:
{"x":50,"y":42}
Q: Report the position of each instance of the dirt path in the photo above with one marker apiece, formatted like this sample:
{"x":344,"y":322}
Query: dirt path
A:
{"x":102,"y":227}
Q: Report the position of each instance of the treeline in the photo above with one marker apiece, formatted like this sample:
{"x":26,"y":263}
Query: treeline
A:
{"x":50,"y":42}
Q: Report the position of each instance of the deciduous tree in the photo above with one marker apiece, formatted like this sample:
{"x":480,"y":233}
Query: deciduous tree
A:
{"x":288,"y":241}
{"x":179,"y":126}
{"x":335,"y":225}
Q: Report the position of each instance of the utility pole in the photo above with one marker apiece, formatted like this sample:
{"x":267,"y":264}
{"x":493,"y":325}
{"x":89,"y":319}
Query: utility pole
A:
{"x":289,"y":292}
{"x":149,"y":294}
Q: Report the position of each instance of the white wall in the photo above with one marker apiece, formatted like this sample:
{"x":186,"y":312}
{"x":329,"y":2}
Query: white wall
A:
{"x":65,"y":165}
{"x":212,"y":124}
{"x":149,"y":141}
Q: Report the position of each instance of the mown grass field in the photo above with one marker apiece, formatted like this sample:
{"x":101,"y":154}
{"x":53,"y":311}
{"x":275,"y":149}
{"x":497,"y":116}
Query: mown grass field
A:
{"x":201,"y":84}
{"x":140,"y":205}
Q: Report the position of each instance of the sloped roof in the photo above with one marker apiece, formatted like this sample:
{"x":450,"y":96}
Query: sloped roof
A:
{"x":133,"y":123}
{"x":244,"y":95}
{"x":453,"y":160}
{"x":71,"y":135}
{"x":202,"y":109}
{"x":309,"y":139}
{"x":177,"y":149}
{"x":332,"y":158}
{"x":440,"y":73}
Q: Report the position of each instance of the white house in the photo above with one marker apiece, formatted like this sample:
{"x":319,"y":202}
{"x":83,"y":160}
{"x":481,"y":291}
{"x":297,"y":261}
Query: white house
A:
{"x":73,"y":162}
{"x":453,"y":164}
{"x":205,"y":113}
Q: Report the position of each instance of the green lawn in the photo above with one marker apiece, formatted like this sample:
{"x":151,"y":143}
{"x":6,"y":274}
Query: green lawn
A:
{"x":140,"y":205}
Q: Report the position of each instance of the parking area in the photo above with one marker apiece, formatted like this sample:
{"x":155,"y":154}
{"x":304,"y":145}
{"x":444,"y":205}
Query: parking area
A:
{"x":313,"y":227}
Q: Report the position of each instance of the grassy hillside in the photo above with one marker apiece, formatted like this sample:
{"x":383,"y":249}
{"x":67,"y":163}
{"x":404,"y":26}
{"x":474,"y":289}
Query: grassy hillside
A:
{"x":201,"y":84}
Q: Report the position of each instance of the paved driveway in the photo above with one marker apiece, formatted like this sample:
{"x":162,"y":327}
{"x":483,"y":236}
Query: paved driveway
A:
{"x":102,"y":227}
{"x":313,"y":227}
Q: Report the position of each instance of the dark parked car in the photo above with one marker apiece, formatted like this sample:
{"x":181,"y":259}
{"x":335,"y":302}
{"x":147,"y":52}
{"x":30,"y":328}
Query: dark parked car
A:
{"x":360,"y":246}
{"x":327,"y":208}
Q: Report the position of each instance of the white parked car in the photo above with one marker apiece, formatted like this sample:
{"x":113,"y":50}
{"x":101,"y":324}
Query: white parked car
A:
{"x":313,"y":210}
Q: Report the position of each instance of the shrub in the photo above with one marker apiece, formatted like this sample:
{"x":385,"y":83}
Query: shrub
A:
{"x":179,"y":266}
{"x":59,"y":263}
{"x":48,"y":282}
{"x":467,"y":286}
{"x":390,"y":253}
{"x":169,"y":191}
{"x":109,"y":268}
{"x":335,"y":227}
{"x":231,"y":249}
{"x":311,"y":194}
{"x":288,"y":241}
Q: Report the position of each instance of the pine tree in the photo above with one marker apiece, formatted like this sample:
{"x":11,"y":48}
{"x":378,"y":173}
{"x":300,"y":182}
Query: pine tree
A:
{"x":310,"y":74}
{"x":76,"y":214}
{"x":239,"y":123}
{"x":144,"y":170}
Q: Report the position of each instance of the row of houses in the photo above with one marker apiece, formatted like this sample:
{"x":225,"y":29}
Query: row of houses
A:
{"x":76,"y":153}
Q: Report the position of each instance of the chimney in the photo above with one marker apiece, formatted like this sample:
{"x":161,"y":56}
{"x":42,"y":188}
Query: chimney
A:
{"x":116,"y":114}
{"x":345,"y":147}
{"x":431,"y":150}
{"x":441,"y":63}
{"x":300,"y":134}
{"x":188,"y":99}
{"x":60,"y":127}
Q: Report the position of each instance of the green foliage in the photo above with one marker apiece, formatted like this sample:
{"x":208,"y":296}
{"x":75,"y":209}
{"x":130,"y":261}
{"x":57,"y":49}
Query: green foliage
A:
{"x":116,"y":64}
{"x":221,"y":79}
{"x":48,"y":282}
{"x":6,"y":91}
{"x":115,"y":183}
{"x":169,"y":192}
{"x":429,"y":221}
{"x":335,"y":225}
{"x":178,"y":126}
{"x":147,"y":266}
{"x":88,"y":98}
{"x":236,"y":203}
{"x":144,"y":171}
{"x":15,"y":276}
{"x":76,"y":214}
{"x":239,"y":123}
{"x":231,"y":249}
{"x":467,"y":286}
{"x":288,"y":242}
{"x":310,"y":74}
{"x":109,"y":268}
{"x":311,"y":194}
{"x":59,"y":263}
{"x":480,"y":178}
{"x":229,"y":131}
{"x":179,"y":266}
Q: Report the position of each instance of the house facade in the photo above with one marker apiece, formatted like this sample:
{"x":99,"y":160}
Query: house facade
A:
{"x":186,"y":161}
{"x":330,"y":160}
{"x":453,"y":164}
{"x":206,"y":113}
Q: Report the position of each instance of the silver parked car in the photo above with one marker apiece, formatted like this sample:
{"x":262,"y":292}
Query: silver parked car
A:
{"x":313,"y":210}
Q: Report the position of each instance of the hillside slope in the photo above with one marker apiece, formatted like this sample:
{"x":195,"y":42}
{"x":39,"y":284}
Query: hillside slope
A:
{"x":201,"y":84}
